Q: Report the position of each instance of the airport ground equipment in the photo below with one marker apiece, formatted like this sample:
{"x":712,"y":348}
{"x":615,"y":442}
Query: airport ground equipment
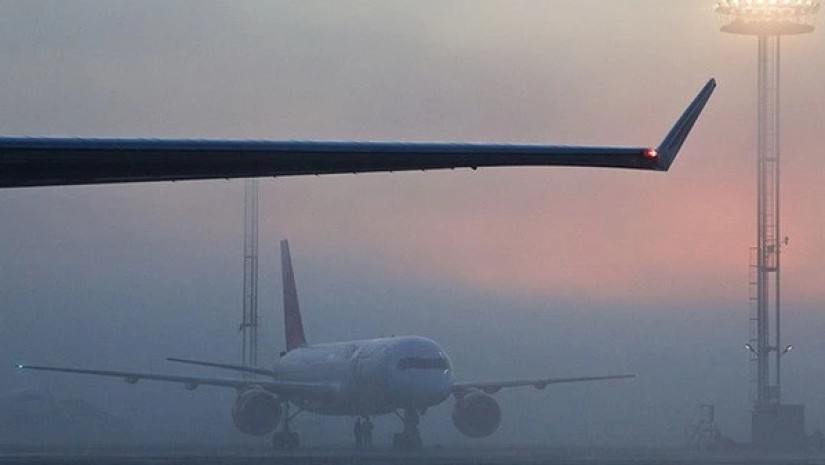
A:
{"x":703,"y":434}
{"x":774,"y":425}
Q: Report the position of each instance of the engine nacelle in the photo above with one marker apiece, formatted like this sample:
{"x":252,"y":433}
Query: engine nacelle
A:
{"x":256,"y":412}
{"x":476,"y":415}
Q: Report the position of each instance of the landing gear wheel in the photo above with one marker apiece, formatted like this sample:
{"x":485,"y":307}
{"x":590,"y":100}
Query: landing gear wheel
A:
{"x":285,"y":440}
{"x":410,"y":438}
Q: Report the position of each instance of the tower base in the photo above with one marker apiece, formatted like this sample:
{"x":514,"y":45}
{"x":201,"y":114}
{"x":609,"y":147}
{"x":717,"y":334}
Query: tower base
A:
{"x":778,"y":427}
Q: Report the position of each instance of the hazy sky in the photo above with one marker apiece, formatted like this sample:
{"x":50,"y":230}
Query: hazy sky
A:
{"x":519,"y":272}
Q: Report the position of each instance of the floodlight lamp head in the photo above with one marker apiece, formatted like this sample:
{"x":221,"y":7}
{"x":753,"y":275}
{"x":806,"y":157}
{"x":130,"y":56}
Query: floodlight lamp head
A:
{"x":768,"y":17}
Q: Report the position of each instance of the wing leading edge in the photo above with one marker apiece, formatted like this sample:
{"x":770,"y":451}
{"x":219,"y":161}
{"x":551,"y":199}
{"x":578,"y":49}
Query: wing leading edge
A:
{"x":492,"y":387}
{"x":30,"y":162}
{"x":192,"y":382}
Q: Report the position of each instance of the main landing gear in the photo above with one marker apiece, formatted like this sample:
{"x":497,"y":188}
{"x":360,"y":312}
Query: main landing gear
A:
{"x":410,"y":438}
{"x":285,"y":439}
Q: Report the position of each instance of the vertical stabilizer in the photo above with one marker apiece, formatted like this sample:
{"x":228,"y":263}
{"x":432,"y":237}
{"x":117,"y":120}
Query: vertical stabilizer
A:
{"x":293,"y":326}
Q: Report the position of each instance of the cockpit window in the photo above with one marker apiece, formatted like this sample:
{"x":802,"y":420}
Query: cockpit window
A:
{"x":423,"y":363}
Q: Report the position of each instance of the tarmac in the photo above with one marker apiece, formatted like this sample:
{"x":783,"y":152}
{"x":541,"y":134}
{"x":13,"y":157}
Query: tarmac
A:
{"x":505,"y":455}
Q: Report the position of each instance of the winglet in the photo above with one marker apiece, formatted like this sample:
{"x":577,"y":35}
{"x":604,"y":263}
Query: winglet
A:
{"x":670,"y":146}
{"x":293,"y":326}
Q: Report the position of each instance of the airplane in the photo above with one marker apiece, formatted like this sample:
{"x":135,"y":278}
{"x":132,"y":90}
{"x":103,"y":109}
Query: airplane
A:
{"x":405,"y":375}
{"x":54,"y":161}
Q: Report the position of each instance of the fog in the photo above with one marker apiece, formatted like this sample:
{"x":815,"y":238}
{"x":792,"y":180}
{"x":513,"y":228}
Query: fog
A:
{"x":518,"y":273}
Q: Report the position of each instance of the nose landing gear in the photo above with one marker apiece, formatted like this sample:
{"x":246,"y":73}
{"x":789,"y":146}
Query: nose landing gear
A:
{"x":410,"y":437}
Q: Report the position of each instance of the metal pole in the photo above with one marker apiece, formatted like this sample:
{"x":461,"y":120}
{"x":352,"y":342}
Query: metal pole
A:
{"x":777,"y":236}
{"x":768,"y":221}
{"x":762,"y":288}
{"x":249,"y":324}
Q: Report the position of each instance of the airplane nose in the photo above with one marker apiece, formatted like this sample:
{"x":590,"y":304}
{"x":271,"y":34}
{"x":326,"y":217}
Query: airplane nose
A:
{"x":421,"y":388}
{"x":421,"y":372}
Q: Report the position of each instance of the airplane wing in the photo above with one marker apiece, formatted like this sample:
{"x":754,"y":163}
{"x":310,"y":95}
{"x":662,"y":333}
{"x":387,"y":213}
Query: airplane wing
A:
{"x":284,"y":388}
{"x":492,"y":387}
{"x":225,"y":366}
{"x":38,"y":161}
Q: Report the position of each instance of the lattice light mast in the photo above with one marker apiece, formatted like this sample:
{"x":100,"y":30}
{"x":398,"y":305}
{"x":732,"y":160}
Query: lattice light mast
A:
{"x":249,"y":323}
{"x":768,"y":20}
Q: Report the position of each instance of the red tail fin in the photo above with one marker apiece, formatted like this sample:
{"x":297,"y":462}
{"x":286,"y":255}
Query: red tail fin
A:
{"x":293,"y":326}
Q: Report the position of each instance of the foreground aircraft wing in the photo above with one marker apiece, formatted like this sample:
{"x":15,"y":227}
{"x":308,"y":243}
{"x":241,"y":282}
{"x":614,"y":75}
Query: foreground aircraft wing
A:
{"x":37,"y":161}
{"x":192,"y":382}
{"x":492,"y":387}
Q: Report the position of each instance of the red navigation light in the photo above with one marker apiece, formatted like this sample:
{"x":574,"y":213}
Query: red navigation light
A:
{"x":650,"y":153}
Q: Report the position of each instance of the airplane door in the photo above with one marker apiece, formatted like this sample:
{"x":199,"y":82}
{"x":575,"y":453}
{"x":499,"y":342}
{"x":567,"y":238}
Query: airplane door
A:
{"x":358,"y":368}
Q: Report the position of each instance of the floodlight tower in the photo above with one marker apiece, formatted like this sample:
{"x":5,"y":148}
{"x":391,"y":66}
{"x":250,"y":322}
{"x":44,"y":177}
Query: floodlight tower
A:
{"x":249,"y":323}
{"x":768,"y":20}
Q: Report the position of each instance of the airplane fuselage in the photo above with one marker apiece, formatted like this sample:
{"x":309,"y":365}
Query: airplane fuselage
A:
{"x":372,"y":377}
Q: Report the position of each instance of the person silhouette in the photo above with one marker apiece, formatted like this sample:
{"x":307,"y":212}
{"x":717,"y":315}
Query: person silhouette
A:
{"x":367,"y":432}
{"x":358,"y":430}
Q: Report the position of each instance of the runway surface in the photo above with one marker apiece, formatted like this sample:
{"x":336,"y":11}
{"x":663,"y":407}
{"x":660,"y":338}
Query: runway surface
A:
{"x":342,"y":456}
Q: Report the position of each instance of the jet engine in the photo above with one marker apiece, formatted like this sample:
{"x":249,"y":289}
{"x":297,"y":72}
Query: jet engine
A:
{"x":256,"y":412}
{"x":476,"y":415}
